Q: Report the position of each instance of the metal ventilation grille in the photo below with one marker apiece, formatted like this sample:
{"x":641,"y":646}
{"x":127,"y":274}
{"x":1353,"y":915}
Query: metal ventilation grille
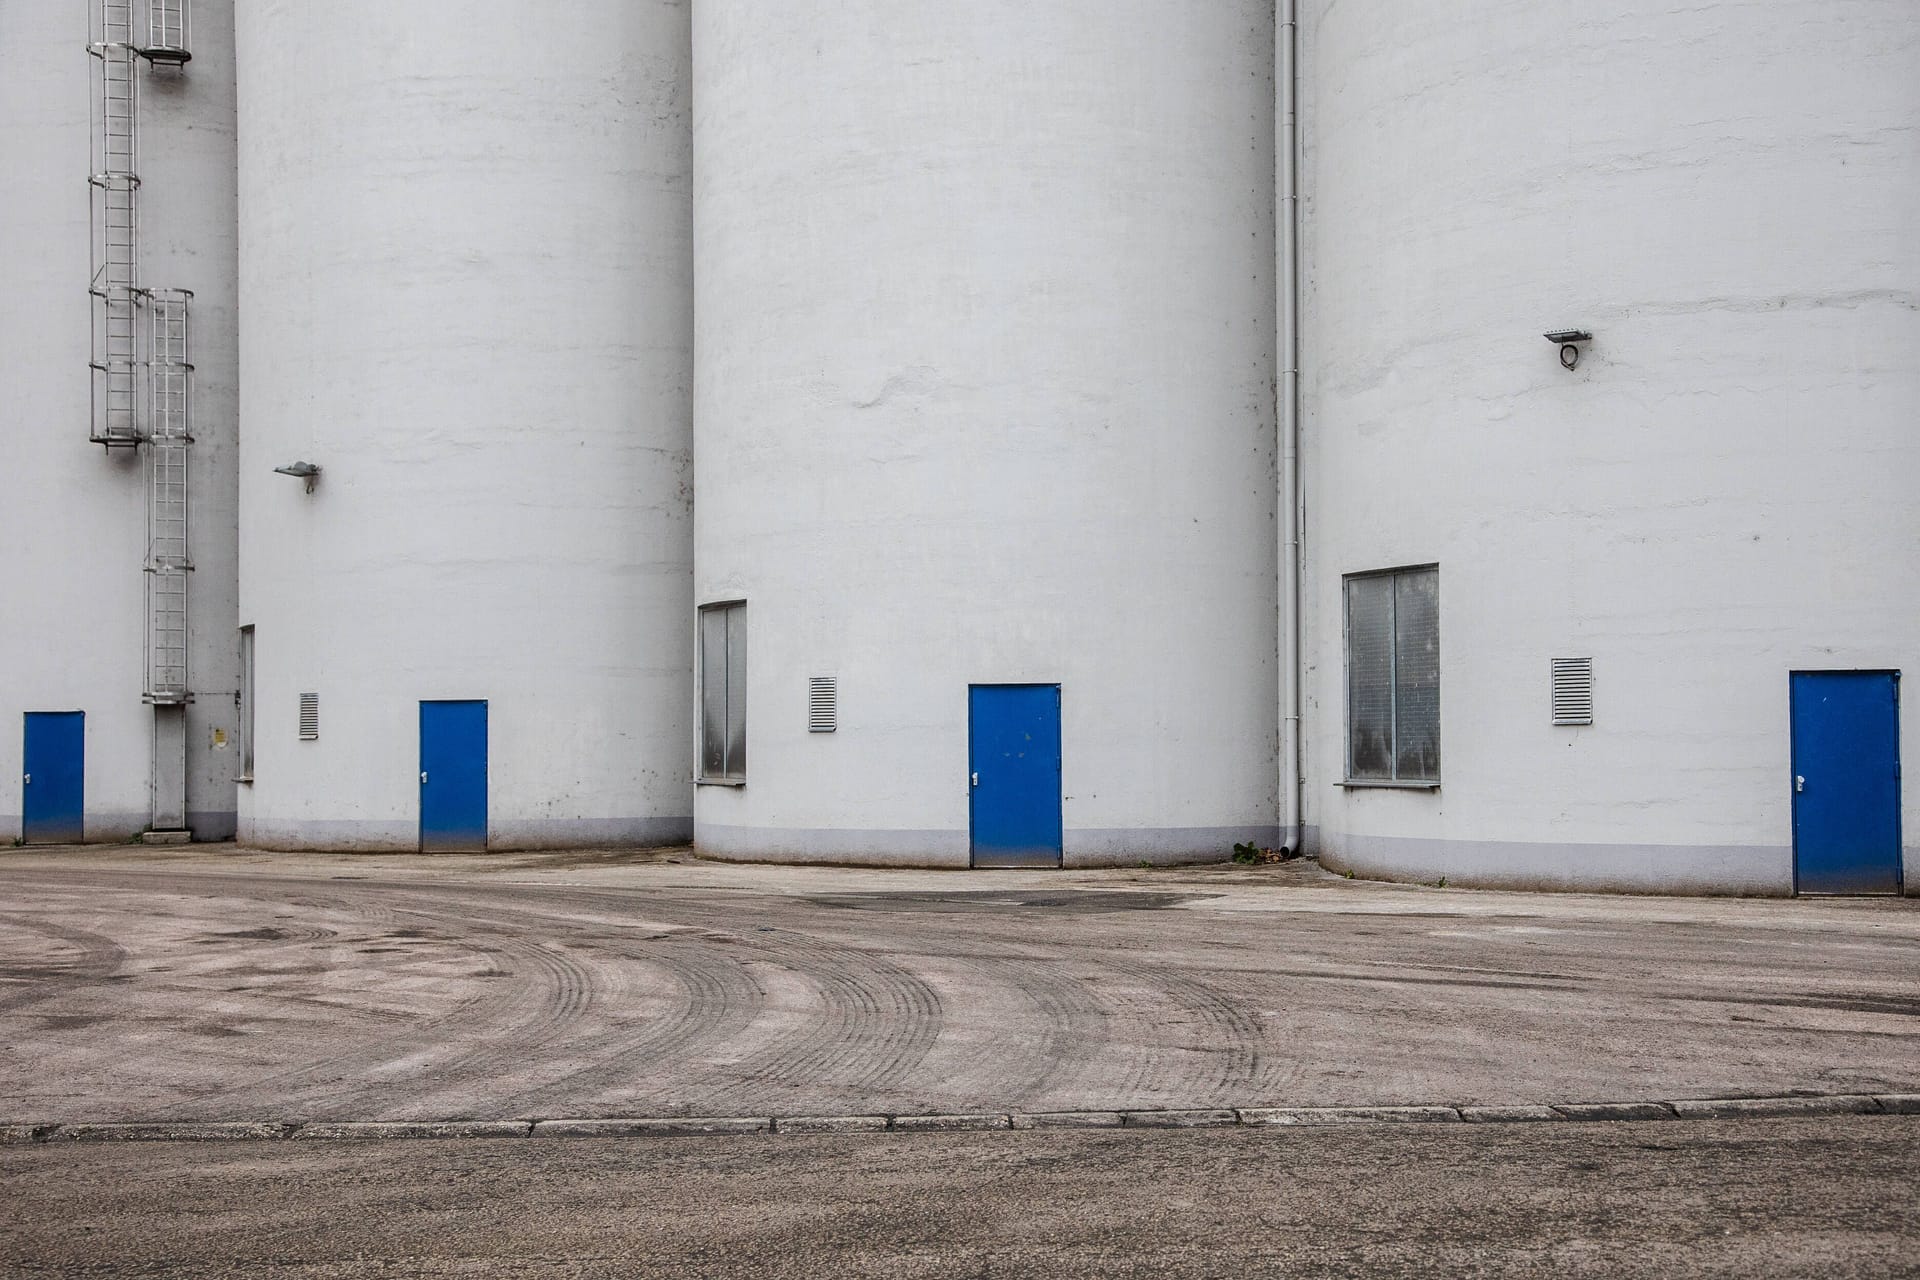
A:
{"x":1573,"y":690}
{"x":309,"y":717}
{"x":823,"y":710}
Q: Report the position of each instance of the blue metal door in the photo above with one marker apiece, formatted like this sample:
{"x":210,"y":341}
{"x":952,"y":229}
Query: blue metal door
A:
{"x":1014,"y":736}
{"x":453,"y":776}
{"x":1846,"y":781}
{"x":53,"y":792}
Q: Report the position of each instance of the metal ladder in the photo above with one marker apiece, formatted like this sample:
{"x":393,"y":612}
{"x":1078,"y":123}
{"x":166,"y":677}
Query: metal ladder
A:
{"x":114,"y":181}
{"x":170,"y":388}
{"x":141,"y":336}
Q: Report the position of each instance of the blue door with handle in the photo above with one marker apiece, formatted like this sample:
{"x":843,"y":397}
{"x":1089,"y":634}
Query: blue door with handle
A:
{"x":453,"y":777}
{"x":1846,"y":781}
{"x":1014,"y":758}
{"x":53,"y":791}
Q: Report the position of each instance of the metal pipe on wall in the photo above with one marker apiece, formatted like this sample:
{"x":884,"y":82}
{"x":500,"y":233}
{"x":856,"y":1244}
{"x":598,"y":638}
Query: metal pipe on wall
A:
{"x":1285,"y":47}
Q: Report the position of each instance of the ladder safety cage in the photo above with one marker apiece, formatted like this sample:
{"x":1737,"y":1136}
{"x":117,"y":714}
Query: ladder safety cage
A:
{"x":169,"y":556}
{"x":169,"y":39}
{"x":114,"y":186}
{"x":142,"y":356}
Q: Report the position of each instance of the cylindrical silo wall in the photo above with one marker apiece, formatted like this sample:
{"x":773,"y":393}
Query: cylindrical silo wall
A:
{"x":466,"y":283}
{"x":984,"y":398}
{"x":189,"y":235}
{"x":73,"y":516}
{"x":1720,"y":494}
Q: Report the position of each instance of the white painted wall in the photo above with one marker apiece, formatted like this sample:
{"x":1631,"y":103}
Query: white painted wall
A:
{"x":466,"y":280}
{"x":190,"y":239}
{"x":985,"y":322}
{"x":1723,"y":492}
{"x":73,"y":518}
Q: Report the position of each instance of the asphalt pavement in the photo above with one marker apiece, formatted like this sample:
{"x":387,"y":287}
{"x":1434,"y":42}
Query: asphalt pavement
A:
{"x":1819,"y":1198}
{"x":308,"y":999}
{"x":217,"y":984}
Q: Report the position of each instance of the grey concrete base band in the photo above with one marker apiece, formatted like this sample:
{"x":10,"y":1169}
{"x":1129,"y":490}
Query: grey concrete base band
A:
{"x":344,"y":835}
{"x":1125,"y":846}
{"x":1738,"y":870}
{"x":1786,"y":1108}
{"x":209,"y":825}
{"x":213,"y":825}
{"x":878,"y":848}
{"x":96,"y":827}
{"x":1082,"y":847}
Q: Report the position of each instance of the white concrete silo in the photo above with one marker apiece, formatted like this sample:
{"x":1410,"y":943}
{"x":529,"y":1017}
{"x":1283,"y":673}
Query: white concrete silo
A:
{"x":466,"y":282}
{"x":77,"y":519}
{"x":984,"y":399}
{"x":1720,"y":494}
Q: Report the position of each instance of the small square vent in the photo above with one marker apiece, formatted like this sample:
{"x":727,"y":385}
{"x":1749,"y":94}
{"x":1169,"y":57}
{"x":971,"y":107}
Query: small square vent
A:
{"x":823,"y":710}
{"x":309,"y":717}
{"x":1573,"y":690}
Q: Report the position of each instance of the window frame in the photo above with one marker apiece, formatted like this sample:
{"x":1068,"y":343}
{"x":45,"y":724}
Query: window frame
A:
{"x":247,"y":698}
{"x":1348,"y":780}
{"x":728,"y":776}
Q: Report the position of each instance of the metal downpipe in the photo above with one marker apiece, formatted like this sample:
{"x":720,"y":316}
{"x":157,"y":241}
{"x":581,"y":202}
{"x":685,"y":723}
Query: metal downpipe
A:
{"x":1286,"y":47}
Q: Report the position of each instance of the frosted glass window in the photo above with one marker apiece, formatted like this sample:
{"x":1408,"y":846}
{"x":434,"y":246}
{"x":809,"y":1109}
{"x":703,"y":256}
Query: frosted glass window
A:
{"x":246,"y":704}
{"x":1393,"y":676}
{"x":723,"y":692}
{"x":737,"y":691}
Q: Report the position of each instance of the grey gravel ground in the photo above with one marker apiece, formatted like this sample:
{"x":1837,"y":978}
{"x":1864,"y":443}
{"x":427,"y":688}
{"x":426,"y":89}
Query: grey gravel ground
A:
{"x":1829,"y":1198}
{"x":216,"y":984}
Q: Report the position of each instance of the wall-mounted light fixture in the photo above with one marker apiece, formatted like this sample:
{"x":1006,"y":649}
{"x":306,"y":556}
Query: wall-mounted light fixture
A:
{"x":303,"y":470}
{"x":1569,"y":340}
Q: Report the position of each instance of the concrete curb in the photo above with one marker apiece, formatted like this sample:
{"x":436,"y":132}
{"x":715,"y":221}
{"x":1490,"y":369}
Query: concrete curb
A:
{"x":1348,"y":1115}
{"x":387,"y":1130}
{"x":1770,"y":1108}
{"x":1067,"y":1120}
{"x":950,"y":1124}
{"x":830,"y":1124}
{"x":1178,"y":1119}
{"x":1616,"y":1110}
{"x":1796,"y":1107}
{"x":163,"y":1132}
{"x":1508,"y":1115}
{"x":669,"y":1126}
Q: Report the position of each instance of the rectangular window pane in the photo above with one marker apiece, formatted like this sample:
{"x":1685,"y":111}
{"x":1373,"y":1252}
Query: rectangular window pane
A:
{"x":1370,"y":678}
{"x":713,"y":693}
{"x":246,"y":702}
{"x":1416,"y":669}
{"x":737,"y":691}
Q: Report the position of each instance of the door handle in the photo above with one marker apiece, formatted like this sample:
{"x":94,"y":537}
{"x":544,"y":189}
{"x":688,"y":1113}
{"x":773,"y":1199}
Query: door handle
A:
{"x":423,"y":777}
{"x":1799,"y":783}
{"x":27,"y":780}
{"x":976,"y":779}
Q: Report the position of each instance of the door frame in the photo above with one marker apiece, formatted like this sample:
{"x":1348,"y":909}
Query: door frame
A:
{"x":1060,"y":760}
{"x":1793,"y":771}
{"x":486,"y":772}
{"x":26,"y":761}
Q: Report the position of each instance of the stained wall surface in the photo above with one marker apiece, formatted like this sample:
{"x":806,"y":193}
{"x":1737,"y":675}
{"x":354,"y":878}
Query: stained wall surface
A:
{"x":985,"y":323}
{"x":466,"y":279}
{"x":1721,"y":493}
{"x":74,"y":518}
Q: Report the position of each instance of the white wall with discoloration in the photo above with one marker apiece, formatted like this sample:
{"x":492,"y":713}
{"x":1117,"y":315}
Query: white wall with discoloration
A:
{"x":466,"y":279}
{"x":1723,"y":492}
{"x":73,"y":518}
{"x":982,"y":298}
{"x":985,"y":327}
